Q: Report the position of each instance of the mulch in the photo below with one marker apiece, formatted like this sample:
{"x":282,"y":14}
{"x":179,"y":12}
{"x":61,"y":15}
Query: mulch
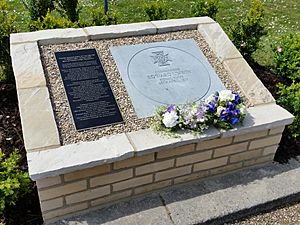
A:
{"x":27,"y":209}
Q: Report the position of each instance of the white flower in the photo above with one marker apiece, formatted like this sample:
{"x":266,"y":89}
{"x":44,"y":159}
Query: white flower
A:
{"x":170,"y":119}
{"x":209,"y":98}
{"x":226,"y":95}
{"x":219,"y":109}
{"x":243,"y":109}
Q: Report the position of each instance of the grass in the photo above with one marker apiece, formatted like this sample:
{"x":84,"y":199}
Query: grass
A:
{"x":281,"y":16}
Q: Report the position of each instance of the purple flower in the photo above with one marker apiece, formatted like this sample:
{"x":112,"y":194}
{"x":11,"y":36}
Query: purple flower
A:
{"x":201,"y":110}
{"x":171,"y":108}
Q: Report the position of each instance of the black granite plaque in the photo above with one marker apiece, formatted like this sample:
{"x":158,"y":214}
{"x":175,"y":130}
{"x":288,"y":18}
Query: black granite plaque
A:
{"x":90,"y":97}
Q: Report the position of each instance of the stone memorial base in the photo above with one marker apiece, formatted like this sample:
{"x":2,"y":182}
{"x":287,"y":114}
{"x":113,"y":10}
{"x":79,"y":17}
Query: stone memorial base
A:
{"x":78,"y":177}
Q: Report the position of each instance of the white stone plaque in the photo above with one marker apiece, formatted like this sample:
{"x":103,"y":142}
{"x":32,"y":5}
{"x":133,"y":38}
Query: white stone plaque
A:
{"x":165,"y":73}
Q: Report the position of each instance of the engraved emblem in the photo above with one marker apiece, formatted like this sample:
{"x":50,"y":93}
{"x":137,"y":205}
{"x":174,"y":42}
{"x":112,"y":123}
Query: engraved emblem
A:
{"x":160,"y":58}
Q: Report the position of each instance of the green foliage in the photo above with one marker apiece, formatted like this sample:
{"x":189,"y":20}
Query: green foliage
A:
{"x":51,"y":22}
{"x":246,"y":33}
{"x":287,"y":57}
{"x":156,"y":10}
{"x":13,"y":182}
{"x":290,"y":99}
{"x":69,"y":8}
{"x":99,"y":18}
{"x":38,"y":8}
{"x":205,"y":8}
{"x":7,"y":21}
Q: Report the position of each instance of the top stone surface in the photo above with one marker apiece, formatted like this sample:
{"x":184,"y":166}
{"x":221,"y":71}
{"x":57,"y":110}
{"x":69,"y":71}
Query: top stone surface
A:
{"x":163,"y":73}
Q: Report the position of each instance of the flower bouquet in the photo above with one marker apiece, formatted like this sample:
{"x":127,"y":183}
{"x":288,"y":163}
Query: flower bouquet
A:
{"x":226,"y":109}
{"x":223,"y":109}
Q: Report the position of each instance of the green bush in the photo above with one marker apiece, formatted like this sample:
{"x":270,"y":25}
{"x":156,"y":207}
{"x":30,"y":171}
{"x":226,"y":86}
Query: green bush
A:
{"x":290,"y":99}
{"x":51,"y":22}
{"x":99,"y":18}
{"x":205,"y":8}
{"x":7,"y":27}
{"x":246,"y":33}
{"x":38,"y":8}
{"x":69,"y":8}
{"x":287,"y":57}
{"x":13,"y":182}
{"x":156,"y":10}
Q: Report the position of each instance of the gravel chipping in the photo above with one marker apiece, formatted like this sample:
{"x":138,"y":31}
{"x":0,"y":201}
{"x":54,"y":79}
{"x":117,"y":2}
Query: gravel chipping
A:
{"x":285,"y":215}
{"x":62,"y":112}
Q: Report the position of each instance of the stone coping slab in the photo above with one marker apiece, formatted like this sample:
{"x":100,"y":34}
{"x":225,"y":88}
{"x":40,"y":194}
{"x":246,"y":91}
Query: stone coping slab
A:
{"x":212,"y":201}
{"x":56,"y":161}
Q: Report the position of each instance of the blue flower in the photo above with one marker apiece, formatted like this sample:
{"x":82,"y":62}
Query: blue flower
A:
{"x":234,"y":120}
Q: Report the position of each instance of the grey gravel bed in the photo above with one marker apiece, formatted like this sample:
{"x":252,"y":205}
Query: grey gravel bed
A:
{"x":68,"y":133}
{"x":285,"y":215}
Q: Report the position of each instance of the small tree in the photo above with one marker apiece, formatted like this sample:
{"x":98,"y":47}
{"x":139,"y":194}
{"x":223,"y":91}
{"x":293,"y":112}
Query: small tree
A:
{"x":7,"y":27}
{"x":206,"y":8}
{"x":156,"y":10}
{"x":246,"y":33}
{"x":69,"y":8}
{"x":38,"y":8}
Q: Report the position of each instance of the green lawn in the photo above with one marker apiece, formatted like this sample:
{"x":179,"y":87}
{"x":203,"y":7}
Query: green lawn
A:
{"x":281,"y":16}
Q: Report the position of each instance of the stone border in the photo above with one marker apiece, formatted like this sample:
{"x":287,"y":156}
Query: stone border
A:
{"x":37,"y":113}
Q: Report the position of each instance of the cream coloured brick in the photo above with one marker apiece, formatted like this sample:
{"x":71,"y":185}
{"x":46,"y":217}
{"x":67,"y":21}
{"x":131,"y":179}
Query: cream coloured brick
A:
{"x":173,"y":173}
{"x":151,"y":187}
{"x":176,"y":151}
{"x":270,"y":150}
{"x":249,"y":136}
{"x":135,"y":182}
{"x":62,"y":190}
{"x":111,"y":198}
{"x":189,"y":159}
{"x":231,"y":149}
{"x":88,"y":195}
{"x":87,"y":172}
{"x":48,"y":182}
{"x":227,"y":168}
{"x":272,"y":140}
{"x":64,"y":211}
{"x":193,"y":176}
{"x":154,"y":167}
{"x":52,"y":204}
{"x":135,"y":161}
{"x":111,"y":178}
{"x":213,"y":143}
{"x":277,"y":130}
{"x":260,"y":160}
{"x":245,"y":155}
{"x":211,"y":164}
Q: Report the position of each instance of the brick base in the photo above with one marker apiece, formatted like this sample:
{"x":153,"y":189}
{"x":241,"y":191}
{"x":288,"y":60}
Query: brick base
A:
{"x":97,"y":186}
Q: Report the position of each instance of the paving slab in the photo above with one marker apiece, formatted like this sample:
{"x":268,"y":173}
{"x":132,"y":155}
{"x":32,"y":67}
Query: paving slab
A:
{"x":212,"y":201}
{"x":144,"y":210}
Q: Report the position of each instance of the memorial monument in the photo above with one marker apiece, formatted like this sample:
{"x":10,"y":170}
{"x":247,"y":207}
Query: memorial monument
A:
{"x":86,"y":97}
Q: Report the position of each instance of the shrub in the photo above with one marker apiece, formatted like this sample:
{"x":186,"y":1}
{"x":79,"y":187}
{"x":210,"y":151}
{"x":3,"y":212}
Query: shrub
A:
{"x":287,"y":57}
{"x":290,"y":99}
{"x":51,"y":22}
{"x":38,"y":8}
{"x":205,"y":8}
{"x":69,"y":8}
{"x":246,"y":33}
{"x":156,"y":10}
{"x":7,"y":27}
{"x":13,"y":182}
{"x":99,"y":18}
